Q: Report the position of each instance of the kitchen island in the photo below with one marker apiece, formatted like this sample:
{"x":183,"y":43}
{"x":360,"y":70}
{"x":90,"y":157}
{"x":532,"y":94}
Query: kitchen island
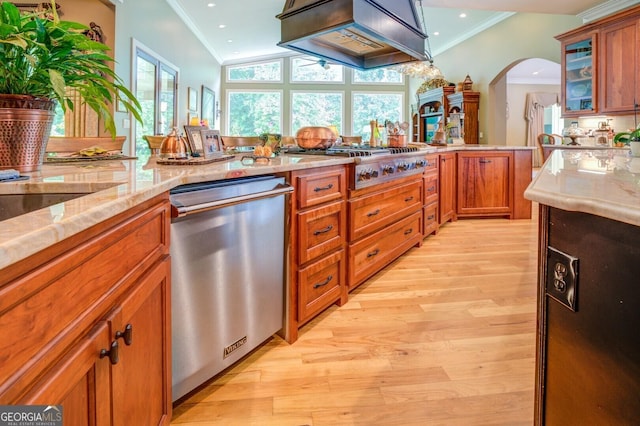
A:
{"x":588,"y":353}
{"x":82,"y":274}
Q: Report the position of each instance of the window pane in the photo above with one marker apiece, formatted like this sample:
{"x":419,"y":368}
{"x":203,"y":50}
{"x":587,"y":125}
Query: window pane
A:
{"x":253,"y":113}
{"x":379,"y":75}
{"x":57,"y":129}
{"x":306,"y":69}
{"x":316,"y":109}
{"x":375,"y":106}
{"x":263,"y":71}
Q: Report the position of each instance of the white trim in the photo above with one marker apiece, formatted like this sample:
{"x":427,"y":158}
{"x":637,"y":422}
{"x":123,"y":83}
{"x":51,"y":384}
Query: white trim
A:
{"x":193,"y":28}
{"x":605,"y":9}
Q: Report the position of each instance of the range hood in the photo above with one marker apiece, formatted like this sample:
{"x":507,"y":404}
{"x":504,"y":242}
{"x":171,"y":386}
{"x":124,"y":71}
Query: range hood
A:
{"x":361,"y":34}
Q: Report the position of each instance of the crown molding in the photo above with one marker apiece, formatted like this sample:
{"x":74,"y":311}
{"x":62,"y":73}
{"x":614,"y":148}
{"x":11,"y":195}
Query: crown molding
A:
{"x":605,"y":9}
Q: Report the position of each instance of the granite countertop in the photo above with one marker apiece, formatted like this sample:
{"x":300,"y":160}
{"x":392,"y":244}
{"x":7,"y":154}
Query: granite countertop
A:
{"x":601,"y":182}
{"x":115,"y":186}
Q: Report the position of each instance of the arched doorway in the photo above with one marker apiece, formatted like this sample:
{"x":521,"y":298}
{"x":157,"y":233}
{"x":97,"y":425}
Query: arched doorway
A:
{"x":508,"y":92}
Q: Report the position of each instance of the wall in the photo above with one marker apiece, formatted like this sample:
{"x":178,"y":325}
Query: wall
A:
{"x":485,"y":56}
{"x":155,"y":24}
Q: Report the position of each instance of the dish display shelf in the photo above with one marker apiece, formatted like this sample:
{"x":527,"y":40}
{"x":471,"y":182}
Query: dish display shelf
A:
{"x":578,"y":69}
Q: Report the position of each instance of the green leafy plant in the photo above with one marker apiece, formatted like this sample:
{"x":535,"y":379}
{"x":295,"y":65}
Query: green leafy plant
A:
{"x":623,"y":138}
{"x":43,"y":56}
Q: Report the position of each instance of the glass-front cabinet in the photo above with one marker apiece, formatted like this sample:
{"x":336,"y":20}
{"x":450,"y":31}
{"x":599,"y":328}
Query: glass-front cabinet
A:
{"x":579,"y":69}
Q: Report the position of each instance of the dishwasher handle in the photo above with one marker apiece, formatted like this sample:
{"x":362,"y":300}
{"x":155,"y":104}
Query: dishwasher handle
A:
{"x":182,"y":211}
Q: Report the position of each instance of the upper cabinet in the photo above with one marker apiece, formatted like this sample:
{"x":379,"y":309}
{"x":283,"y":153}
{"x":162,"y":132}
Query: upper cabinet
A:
{"x":600,"y":66}
{"x":620,"y":82}
{"x":578,"y":73}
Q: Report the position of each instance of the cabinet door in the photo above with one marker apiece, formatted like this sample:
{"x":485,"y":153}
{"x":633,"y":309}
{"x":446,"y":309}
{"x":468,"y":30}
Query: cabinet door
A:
{"x":142,"y":378}
{"x":79,"y":382}
{"x":619,"y":81}
{"x":579,"y":75}
{"x":447,"y":199}
{"x":483,"y":183}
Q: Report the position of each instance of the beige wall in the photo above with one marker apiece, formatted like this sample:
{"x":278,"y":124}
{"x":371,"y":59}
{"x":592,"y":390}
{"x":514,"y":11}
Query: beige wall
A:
{"x":516,"y":125}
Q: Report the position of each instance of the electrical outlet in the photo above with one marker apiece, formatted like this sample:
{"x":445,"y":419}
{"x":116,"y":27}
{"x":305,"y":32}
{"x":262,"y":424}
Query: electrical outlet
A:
{"x":562,"y":278}
{"x":480,"y":135}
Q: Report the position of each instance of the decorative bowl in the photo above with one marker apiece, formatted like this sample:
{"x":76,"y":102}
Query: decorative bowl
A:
{"x":315,"y":137}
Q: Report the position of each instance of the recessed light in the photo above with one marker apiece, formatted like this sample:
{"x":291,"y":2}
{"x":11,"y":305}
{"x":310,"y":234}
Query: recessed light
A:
{"x":211,"y":4}
{"x":229,"y":41}
{"x":463,"y":15}
{"x":436,"y":33}
{"x":222,"y":26}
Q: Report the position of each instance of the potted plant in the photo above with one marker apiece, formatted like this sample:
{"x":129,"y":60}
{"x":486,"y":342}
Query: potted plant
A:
{"x":42,"y":57}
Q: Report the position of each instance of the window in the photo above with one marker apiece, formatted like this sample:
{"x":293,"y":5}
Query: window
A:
{"x":306,"y":69}
{"x":256,"y":72}
{"x":251,"y":113}
{"x":316,"y":109}
{"x":379,"y":106}
{"x":377,"y":76}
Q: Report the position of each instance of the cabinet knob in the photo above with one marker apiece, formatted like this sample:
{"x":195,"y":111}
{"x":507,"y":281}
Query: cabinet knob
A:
{"x":112,"y":353}
{"x":126,"y":335}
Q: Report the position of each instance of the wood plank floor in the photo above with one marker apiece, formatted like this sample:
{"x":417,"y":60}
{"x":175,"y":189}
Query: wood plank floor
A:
{"x":443,"y":336}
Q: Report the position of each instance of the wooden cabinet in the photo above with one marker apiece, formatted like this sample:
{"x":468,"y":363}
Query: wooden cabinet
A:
{"x":483,"y":183}
{"x":447,"y":189}
{"x":384,"y":222}
{"x":579,"y":70}
{"x":620,"y":59}
{"x":67,"y":315}
{"x":318,"y":235}
{"x":492,"y":183}
{"x":600,"y":65}
{"x":430,"y":184}
{"x":465,"y":106}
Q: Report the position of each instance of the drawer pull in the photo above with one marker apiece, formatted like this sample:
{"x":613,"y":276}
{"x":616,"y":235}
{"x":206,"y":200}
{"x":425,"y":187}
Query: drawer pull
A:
{"x":323,"y":188}
{"x":126,"y":335}
{"x":323,"y":283}
{"x":323,"y":231}
{"x":373,"y":253}
{"x":431,"y":189}
{"x":373,"y":213}
{"x":431,"y":217}
{"x":483,"y":161}
{"x":112,"y":353}
{"x":408,"y":231}
{"x":406,"y":200}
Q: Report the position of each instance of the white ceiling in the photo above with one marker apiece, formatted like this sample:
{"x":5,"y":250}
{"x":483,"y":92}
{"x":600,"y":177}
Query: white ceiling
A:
{"x":251,"y":29}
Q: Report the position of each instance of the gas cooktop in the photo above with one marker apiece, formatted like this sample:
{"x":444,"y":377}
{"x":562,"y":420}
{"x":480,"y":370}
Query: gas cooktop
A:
{"x":354,"y":151}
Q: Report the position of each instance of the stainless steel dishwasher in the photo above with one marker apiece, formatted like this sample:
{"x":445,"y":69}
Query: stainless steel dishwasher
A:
{"x":227,"y":280}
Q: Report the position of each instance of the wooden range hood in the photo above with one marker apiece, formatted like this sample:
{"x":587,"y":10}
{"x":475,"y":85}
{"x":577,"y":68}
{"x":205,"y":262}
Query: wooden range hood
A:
{"x":361,"y":34}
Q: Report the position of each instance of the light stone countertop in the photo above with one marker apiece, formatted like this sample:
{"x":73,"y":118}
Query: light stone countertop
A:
{"x":115,"y":186}
{"x":601,"y":182}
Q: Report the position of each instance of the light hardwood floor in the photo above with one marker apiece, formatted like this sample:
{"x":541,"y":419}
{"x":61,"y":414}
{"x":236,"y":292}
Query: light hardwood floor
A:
{"x":443,"y":336}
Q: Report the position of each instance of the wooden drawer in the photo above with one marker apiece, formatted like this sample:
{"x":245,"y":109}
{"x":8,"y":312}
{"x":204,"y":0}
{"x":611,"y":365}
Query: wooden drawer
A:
{"x":430,"y":189}
{"x":430,"y":219}
{"x":373,"y":212}
{"x":317,"y":186}
{"x":321,"y":230}
{"x":320,"y":285}
{"x":369,"y":255}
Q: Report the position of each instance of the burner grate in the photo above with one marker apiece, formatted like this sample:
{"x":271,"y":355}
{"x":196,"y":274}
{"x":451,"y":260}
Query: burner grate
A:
{"x":403,"y":149}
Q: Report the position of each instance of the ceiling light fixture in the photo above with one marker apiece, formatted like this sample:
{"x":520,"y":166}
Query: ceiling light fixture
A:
{"x":211,"y":4}
{"x":222,"y":26}
{"x":463,"y":15}
{"x":425,"y":70}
